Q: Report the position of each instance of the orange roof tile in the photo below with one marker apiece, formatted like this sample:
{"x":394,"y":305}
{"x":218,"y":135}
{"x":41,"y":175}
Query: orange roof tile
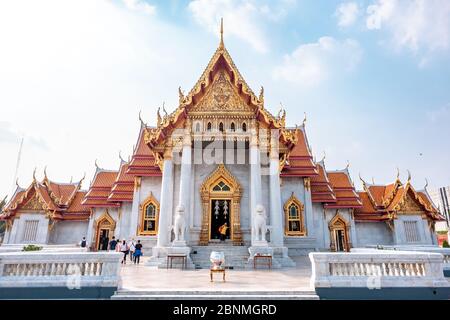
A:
{"x":344,"y":191}
{"x":321,"y":190}
{"x":300,"y":162}
{"x":123,"y":187}
{"x":143,"y":161}
{"x":100,"y":189}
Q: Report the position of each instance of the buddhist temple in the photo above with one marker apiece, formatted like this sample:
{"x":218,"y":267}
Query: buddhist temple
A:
{"x":221,"y":157}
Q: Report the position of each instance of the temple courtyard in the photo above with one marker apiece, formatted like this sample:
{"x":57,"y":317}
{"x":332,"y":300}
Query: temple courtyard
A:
{"x":141,"y":281}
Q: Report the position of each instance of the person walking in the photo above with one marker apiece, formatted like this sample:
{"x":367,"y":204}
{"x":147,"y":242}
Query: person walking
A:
{"x":132,"y":248}
{"x":137,"y":252}
{"x":223,"y":231}
{"x":123,"y":247}
{"x":113,"y":244}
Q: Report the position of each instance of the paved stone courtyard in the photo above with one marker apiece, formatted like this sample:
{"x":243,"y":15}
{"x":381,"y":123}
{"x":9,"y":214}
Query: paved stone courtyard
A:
{"x":144,"y":278}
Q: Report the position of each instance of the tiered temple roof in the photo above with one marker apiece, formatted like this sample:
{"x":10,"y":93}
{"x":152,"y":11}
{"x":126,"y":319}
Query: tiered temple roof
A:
{"x":143,"y":162}
{"x":385,"y":202}
{"x":100,"y":189}
{"x":321,"y":189}
{"x":123,"y":188}
{"x":300,"y":161}
{"x":344,"y":190}
{"x":61,"y":201}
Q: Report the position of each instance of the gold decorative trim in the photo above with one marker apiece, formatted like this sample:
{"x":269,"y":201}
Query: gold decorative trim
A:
{"x":339,"y":223}
{"x":150,"y":200}
{"x":234,"y":195}
{"x":301,"y":216}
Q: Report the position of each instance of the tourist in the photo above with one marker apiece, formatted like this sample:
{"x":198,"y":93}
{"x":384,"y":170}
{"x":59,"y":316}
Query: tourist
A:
{"x":223,"y":231}
{"x":131,"y":248}
{"x":105,"y":243}
{"x":123,"y":247}
{"x":83,"y":242}
{"x":137,"y":252}
{"x":113,"y":244}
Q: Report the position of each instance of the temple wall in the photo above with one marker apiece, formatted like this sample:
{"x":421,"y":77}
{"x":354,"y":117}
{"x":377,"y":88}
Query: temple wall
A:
{"x":30,"y":228}
{"x":373,"y":233}
{"x":68,"y":232}
{"x":300,"y":245}
{"x":124,"y":223}
{"x":422,"y":234}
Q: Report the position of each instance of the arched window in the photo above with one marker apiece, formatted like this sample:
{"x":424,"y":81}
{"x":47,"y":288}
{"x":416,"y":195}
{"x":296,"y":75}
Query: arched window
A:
{"x":149,"y":217}
{"x":197,"y":127}
{"x":209,"y":126}
{"x":221,"y":127}
{"x":233,"y":127}
{"x":244,"y":127}
{"x":221,"y":186}
{"x":295,"y":224}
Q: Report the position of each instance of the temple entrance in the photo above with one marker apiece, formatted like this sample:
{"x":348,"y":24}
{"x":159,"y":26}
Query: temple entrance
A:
{"x":104,"y":231}
{"x":220,"y":216}
{"x":221,"y":196}
{"x":339,"y":240}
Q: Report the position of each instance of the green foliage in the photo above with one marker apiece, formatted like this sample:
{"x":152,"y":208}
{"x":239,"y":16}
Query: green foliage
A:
{"x":445,"y":244}
{"x":31,"y":247}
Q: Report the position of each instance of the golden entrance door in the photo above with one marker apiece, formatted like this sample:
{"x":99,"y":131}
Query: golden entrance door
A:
{"x":221,"y":196}
{"x":220,"y":216}
{"x":339,"y":240}
{"x":104,"y":231}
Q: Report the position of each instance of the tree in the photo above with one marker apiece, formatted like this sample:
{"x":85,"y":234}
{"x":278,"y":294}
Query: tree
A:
{"x":2,"y":223}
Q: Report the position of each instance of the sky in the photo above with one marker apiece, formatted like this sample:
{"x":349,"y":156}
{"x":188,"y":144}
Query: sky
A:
{"x":372,"y":76}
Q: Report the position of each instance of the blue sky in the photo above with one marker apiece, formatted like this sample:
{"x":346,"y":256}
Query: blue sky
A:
{"x":372,"y":76}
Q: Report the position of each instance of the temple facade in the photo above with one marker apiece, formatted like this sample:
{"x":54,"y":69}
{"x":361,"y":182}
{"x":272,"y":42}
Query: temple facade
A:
{"x":222,"y":158}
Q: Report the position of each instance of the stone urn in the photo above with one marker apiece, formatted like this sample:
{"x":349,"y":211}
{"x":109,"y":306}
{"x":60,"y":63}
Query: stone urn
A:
{"x":217,"y":259}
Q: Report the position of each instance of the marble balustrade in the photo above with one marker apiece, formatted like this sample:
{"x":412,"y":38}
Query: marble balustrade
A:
{"x":59,"y":269}
{"x":375,"y":269}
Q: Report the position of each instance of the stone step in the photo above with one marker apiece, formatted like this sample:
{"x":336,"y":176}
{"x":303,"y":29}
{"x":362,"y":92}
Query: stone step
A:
{"x":215,"y":295}
{"x":235,"y":256}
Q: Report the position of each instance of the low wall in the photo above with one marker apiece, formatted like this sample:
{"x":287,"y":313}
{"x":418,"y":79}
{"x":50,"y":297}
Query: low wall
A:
{"x":45,"y":247}
{"x":379,"y":275}
{"x":59,"y":275}
{"x":432,"y":249}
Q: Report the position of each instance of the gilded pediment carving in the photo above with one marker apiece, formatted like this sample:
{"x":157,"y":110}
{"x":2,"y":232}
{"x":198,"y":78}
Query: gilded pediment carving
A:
{"x":33,"y":204}
{"x":410,"y":205}
{"x":221,"y":96}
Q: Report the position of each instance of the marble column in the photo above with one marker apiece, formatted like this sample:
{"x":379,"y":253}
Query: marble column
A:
{"x":90,"y":230}
{"x":255,"y":179}
{"x":185,"y":181}
{"x":276,"y":211}
{"x":163,"y":238}
{"x":135,"y":208}
{"x":308,"y":208}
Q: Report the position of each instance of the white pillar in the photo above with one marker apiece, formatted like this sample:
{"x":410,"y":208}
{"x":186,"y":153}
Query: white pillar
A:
{"x":185,"y":181}
{"x":255,"y":179}
{"x":90,"y":231}
{"x":308,"y":207}
{"x":165,"y":213}
{"x":276,"y":210}
{"x":132,"y":231}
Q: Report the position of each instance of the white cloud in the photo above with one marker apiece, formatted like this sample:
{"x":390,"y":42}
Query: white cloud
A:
{"x":313,"y":63}
{"x":77,"y":73}
{"x":242,"y":18}
{"x":420,"y":26}
{"x":347,"y":13}
{"x":140,"y":5}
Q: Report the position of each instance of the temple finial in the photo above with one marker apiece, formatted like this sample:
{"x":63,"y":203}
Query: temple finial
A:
{"x":221,"y":33}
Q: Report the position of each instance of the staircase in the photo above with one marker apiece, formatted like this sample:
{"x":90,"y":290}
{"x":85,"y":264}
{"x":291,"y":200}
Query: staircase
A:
{"x":236,"y":257}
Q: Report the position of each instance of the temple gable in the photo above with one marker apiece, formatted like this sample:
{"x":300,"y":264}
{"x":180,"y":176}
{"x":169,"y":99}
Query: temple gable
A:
{"x":221,"y":96}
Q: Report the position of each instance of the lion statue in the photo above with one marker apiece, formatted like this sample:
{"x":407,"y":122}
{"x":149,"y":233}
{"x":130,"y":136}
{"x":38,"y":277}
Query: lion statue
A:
{"x":259,"y":223}
{"x":180,"y":224}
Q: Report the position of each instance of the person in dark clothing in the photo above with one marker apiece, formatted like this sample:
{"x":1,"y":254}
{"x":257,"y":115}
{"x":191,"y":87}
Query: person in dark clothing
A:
{"x":113,"y":244}
{"x":83,"y":243}
{"x":137,"y":252}
{"x":105,"y":243}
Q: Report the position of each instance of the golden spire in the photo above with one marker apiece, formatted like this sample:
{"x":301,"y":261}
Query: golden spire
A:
{"x":221,"y":33}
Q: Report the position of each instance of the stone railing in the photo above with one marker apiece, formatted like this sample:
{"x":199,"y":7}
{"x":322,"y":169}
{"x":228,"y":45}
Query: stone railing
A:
{"x":72,"y":270}
{"x":429,"y":249}
{"x":45,"y":247}
{"x":374,"y":269}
